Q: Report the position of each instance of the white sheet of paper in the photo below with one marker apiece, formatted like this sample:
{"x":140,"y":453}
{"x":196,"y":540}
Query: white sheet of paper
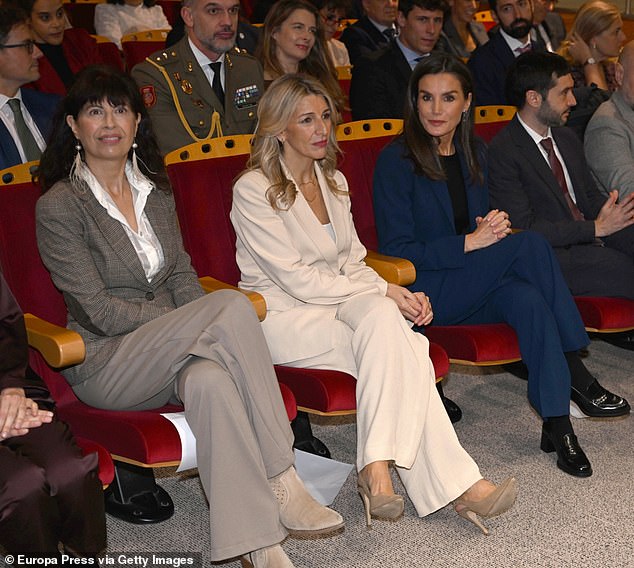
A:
{"x":188,"y":441}
{"x":323,"y":478}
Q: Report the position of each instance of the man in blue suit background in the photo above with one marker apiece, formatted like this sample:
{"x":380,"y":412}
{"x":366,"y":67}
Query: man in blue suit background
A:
{"x":24,"y":114}
{"x":490,"y":62}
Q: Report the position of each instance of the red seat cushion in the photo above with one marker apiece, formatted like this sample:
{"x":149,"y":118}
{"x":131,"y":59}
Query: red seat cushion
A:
{"x":136,"y":51}
{"x":479,"y":344}
{"x":106,"y":466}
{"x":606,"y":314}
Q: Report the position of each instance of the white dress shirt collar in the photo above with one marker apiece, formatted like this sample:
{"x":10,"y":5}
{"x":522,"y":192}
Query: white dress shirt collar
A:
{"x":515,"y":43}
{"x":204,"y":63}
{"x":6,"y":115}
{"x":412,"y":56}
{"x":144,"y":240}
{"x":537,"y":138}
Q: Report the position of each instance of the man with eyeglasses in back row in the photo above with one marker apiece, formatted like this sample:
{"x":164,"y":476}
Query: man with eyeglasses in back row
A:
{"x":25,"y":114}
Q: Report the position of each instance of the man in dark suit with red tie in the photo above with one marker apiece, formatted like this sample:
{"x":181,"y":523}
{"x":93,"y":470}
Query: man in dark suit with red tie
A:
{"x":24,"y":114}
{"x":490,"y":62}
{"x":538,"y":174}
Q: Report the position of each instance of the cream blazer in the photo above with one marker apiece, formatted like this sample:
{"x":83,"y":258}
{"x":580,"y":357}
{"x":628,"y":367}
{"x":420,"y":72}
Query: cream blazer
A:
{"x":291,"y":259}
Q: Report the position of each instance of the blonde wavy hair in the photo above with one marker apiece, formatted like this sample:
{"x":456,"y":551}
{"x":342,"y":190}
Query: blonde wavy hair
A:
{"x":592,"y":18}
{"x":275,"y":111}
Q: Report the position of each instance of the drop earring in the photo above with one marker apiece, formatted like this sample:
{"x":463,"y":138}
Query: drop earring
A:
{"x":135,"y":164}
{"x":74,"y":174}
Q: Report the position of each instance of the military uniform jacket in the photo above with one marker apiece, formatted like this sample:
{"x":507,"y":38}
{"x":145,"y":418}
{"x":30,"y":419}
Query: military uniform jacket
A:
{"x":182,"y":104}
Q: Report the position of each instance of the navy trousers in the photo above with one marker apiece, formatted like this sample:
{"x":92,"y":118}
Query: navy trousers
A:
{"x":517,"y":281}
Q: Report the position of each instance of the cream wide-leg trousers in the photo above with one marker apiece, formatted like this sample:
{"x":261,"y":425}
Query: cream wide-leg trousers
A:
{"x":400,"y":416}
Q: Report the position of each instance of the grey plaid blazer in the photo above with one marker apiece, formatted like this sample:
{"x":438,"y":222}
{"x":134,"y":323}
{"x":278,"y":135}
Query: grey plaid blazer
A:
{"x":94,"y":264}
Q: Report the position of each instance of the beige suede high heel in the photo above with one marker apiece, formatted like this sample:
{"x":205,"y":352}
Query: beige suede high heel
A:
{"x":497,"y":502}
{"x":385,"y":507}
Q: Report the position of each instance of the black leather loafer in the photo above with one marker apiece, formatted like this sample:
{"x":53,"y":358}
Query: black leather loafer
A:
{"x":570,"y":456}
{"x":599,"y":402}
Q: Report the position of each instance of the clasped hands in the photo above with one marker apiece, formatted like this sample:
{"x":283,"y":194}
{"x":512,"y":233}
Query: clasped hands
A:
{"x":491,"y":228}
{"x":18,"y":413}
{"x":415,"y":306}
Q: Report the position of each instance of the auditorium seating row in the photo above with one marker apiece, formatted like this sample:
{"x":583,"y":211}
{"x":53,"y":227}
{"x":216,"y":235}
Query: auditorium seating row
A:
{"x":202,"y":176}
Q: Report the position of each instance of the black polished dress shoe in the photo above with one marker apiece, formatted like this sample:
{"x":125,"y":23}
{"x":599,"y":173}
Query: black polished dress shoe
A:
{"x":570,"y":456}
{"x":599,"y":402}
{"x":453,"y":410}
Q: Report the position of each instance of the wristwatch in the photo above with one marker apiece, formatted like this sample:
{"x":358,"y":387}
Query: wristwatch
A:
{"x":590,"y":61}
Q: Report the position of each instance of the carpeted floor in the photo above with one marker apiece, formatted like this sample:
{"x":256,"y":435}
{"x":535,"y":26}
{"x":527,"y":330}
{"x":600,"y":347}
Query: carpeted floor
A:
{"x":559,"y":521}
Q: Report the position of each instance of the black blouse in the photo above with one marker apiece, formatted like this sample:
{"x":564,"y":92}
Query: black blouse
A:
{"x":55,"y":54}
{"x":457,"y":192}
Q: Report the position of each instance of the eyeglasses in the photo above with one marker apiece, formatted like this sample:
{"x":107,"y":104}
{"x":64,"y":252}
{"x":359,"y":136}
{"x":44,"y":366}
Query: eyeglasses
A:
{"x":333,"y":19}
{"x":29,"y":44}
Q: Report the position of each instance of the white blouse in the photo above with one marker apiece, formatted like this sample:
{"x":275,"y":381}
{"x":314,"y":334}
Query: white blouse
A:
{"x":116,"y":20}
{"x":145,"y":242}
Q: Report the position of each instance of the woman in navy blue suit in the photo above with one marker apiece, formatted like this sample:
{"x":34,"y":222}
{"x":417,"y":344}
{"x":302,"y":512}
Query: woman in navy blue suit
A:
{"x":431,"y":206}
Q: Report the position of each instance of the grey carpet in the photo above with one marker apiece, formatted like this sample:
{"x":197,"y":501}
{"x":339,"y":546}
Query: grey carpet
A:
{"x":558,"y":521}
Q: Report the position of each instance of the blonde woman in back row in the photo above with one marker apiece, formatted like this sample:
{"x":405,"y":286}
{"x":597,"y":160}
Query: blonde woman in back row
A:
{"x":297,"y":246}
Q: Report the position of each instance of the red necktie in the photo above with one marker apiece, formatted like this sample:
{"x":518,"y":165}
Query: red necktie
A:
{"x":524,"y":49}
{"x":558,"y":171}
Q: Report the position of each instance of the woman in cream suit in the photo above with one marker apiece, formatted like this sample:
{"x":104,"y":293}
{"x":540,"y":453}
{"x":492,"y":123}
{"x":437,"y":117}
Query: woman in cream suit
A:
{"x":297,"y":246}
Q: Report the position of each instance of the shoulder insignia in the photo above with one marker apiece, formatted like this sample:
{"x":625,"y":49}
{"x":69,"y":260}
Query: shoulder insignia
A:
{"x":148,"y":94}
{"x":187,"y":87}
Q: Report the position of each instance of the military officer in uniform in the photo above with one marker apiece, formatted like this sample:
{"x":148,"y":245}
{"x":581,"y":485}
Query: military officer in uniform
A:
{"x":203,"y":86}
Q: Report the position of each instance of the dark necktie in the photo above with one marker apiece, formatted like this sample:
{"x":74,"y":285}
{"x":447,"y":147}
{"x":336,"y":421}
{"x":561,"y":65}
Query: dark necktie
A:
{"x":27,"y":140}
{"x":389,"y":33}
{"x":558,"y":171}
{"x":216,"y":83}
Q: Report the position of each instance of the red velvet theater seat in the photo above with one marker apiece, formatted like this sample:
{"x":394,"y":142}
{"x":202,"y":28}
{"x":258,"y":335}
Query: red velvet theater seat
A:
{"x":139,"y":45}
{"x":489,"y":120}
{"x":361,"y":142}
{"x":106,"y":467}
{"x":606,"y":315}
{"x":139,"y":440}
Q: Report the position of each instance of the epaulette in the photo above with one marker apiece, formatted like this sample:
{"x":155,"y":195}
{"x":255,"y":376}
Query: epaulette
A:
{"x":163,"y":57}
{"x":235,"y":50}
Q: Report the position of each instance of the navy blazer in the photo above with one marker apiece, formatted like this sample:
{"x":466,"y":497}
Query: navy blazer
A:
{"x":415,"y":220}
{"x":379,"y":84}
{"x":42,"y":107}
{"x":489,"y":64}
{"x":362,"y":38}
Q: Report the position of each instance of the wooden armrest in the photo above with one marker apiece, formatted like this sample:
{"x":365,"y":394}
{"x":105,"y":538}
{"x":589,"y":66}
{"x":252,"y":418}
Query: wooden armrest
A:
{"x":210,"y":284}
{"x":59,"y":346}
{"x":391,"y":268}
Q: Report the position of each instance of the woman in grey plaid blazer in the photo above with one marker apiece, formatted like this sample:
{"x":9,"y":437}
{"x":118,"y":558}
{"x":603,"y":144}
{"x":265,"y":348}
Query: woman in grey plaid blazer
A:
{"x":109,"y":236}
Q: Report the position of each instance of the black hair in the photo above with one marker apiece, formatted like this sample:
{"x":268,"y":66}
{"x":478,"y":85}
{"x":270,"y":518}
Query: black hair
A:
{"x":11,"y":16}
{"x":533,"y":71}
{"x":343,"y":5}
{"x":422,"y":148}
{"x":147,"y":3}
{"x":94,"y":84}
{"x":406,"y":6}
